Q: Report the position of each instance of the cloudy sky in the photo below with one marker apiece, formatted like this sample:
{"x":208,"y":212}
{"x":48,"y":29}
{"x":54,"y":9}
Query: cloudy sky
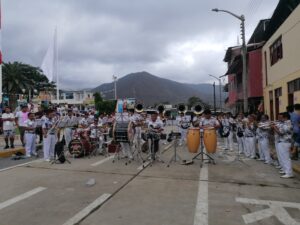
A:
{"x":181,"y":40}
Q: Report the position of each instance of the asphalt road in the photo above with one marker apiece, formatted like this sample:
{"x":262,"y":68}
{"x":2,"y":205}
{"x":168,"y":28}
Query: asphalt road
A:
{"x":228,"y":193}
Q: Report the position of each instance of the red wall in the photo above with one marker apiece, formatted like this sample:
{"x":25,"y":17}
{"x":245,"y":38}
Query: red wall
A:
{"x":255,"y":83}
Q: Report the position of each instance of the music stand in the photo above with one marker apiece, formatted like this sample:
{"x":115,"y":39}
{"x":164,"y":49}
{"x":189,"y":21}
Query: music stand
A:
{"x":153,"y":156}
{"x":202,"y":153}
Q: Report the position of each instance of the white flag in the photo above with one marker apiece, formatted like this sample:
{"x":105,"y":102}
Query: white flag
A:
{"x":49,"y":64}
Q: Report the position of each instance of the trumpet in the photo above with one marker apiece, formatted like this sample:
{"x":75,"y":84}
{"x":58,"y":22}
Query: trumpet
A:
{"x":54,"y":126}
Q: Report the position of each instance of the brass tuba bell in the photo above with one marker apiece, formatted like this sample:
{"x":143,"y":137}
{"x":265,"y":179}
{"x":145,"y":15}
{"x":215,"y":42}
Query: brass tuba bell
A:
{"x":139,"y":108}
{"x":181,"y":108}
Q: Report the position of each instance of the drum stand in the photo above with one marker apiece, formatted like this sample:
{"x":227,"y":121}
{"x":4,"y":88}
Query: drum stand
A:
{"x":175,"y":156}
{"x":138,"y":152}
{"x":202,"y":153}
{"x":153,"y":156}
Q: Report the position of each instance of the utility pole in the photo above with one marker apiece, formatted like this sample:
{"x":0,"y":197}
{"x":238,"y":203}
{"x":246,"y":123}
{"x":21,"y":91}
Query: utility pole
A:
{"x":220,"y":90}
{"x":243,"y":53}
{"x":215,"y":108}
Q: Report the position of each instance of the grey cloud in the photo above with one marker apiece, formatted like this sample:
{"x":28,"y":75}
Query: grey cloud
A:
{"x":98,"y":38}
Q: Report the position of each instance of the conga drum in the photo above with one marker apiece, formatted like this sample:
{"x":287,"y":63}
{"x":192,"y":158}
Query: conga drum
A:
{"x":193,"y":139}
{"x":210,"y":140}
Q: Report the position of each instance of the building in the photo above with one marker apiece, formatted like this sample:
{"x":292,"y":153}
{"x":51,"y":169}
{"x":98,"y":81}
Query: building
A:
{"x":233,"y":58}
{"x":281,"y":59}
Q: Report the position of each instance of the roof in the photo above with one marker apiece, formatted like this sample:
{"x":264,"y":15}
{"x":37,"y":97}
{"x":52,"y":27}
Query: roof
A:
{"x":281,"y":13}
{"x":258,"y":34}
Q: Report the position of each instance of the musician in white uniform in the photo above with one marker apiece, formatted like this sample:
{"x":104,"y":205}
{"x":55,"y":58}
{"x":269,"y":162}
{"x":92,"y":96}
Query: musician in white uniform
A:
{"x":263,"y":132}
{"x":70,"y":123}
{"x":49,"y":136}
{"x":250,"y":140}
{"x":227,"y":123}
{"x":155,"y":127}
{"x":137,"y":121}
{"x":84,"y":122}
{"x":30,"y":135}
{"x":183,"y":123}
{"x":240,"y":133}
{"x":208,"y":121}
{"x":284,"y":131}
{"x":126,"y":146}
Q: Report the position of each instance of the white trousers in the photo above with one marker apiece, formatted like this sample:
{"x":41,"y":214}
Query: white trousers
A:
{"x":68,"y":135}
{"x":228,"y":141}
{"x":183,"y":133}
{"x":126,"y":149}
{"x":241,"y":144}
{"x":284,"y":152}
{"x":278,"y":154}
{"x":48,"y":146}
{"x":30,"y":146}
{"x":249,"y":147}
{"x":265,"y":149}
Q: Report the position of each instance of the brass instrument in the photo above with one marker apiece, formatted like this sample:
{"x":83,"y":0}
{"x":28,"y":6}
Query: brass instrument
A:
{"x":139,"y":108}
{"x":161,"y":109}
{"x":198,"y":109}
{"x":181,"y":109}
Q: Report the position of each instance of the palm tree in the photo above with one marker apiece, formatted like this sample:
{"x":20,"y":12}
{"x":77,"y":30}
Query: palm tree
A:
{"x":19,"y":78}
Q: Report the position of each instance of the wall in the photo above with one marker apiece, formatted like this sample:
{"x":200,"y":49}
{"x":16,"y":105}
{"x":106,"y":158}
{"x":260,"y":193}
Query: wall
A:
{"x":255,"y":86}
{"x":286,"y":69}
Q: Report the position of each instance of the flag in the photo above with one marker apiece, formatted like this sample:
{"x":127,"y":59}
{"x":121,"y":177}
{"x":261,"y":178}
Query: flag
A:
{"x":49,"y":64}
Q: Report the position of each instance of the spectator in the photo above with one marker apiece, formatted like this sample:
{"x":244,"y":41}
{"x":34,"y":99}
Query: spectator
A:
{"x":8,"y":119}
{"x":21,"y":117}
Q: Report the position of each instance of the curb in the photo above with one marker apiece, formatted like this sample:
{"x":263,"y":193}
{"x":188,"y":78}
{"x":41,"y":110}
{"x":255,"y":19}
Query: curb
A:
{"x":296,"y":168}
{"x":9,"y":152}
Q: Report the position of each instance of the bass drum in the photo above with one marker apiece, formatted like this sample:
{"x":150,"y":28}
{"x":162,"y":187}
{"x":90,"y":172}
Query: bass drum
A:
{"x":210,"y":140}
{"x":79,"y":148}
{"x":123,"y":132}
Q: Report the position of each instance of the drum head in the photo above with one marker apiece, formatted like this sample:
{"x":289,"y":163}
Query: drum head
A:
{"x":76,"y":148}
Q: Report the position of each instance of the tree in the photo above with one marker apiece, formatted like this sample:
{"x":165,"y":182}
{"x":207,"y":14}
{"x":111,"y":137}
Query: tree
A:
{"x":104,"y":106}
{"x":192,"y":101}
{"x":20,"y":78}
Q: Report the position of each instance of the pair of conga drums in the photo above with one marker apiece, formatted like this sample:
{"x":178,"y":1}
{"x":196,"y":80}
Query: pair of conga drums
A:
{"x":209,"y":139}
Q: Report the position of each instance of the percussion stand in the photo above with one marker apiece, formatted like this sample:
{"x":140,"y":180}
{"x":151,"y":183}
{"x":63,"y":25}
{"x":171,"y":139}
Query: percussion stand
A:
{"x":137,"y":152}
{"x":153,"y":155}
{"x":202,"y":153}
{"x":175,"y":156}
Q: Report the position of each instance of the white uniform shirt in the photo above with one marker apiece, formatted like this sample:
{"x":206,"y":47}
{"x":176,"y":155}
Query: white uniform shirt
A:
{"x":30,"y":124}
{"x":155,"y":124}
{"x":209,"y":122}
{"x":8,"y":125}
{"x":183,"y":122}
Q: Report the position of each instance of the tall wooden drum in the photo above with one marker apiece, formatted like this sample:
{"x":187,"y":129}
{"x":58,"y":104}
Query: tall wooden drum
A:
{"x":193,"y":139}
{"x":210,"y":140}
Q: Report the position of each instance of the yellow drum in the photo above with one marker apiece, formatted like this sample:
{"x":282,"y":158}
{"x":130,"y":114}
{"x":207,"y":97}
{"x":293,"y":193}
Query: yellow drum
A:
{"x":193,"y":139}
{"x":210,"y":140}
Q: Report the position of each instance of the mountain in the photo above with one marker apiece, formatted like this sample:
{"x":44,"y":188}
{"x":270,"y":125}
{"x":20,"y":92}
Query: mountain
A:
{"x":150,"y":89}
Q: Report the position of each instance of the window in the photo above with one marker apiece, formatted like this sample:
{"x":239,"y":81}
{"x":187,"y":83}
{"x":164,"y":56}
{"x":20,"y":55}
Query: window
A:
{"x":294,"y":86}
{"x":276,"y":51}
{"x":278,"y":92}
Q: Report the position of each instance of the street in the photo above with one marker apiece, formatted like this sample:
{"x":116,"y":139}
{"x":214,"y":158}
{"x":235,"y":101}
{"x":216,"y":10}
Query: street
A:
{"x":229,"y":192}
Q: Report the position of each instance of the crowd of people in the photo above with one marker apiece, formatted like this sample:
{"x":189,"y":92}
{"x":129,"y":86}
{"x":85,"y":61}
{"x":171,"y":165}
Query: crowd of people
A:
{"x":272,"y":142}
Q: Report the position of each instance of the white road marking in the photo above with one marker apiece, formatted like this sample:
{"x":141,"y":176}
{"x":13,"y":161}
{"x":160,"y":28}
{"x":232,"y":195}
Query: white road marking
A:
{"x":87,"y":210}
{"x":19,"y":165}
{"x":102,"y":161}
{"x":21,"y":197}
{"x":143,"y":166}
{"x":201,"y":212}
{"x":276,"y":209}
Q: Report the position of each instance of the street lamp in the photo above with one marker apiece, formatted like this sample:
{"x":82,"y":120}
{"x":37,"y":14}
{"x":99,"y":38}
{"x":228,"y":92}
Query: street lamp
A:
{"x":244,"y":54}
{"x":220,"y":89}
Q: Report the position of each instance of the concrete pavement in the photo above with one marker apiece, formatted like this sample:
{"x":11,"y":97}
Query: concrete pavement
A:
{"x":41,"y":193}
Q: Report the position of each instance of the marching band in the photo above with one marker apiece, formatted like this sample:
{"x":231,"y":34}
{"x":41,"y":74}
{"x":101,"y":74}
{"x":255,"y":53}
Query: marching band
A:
{"x":253,"y":135}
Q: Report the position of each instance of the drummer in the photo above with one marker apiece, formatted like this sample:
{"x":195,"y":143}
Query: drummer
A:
{"x":208,"y":121}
